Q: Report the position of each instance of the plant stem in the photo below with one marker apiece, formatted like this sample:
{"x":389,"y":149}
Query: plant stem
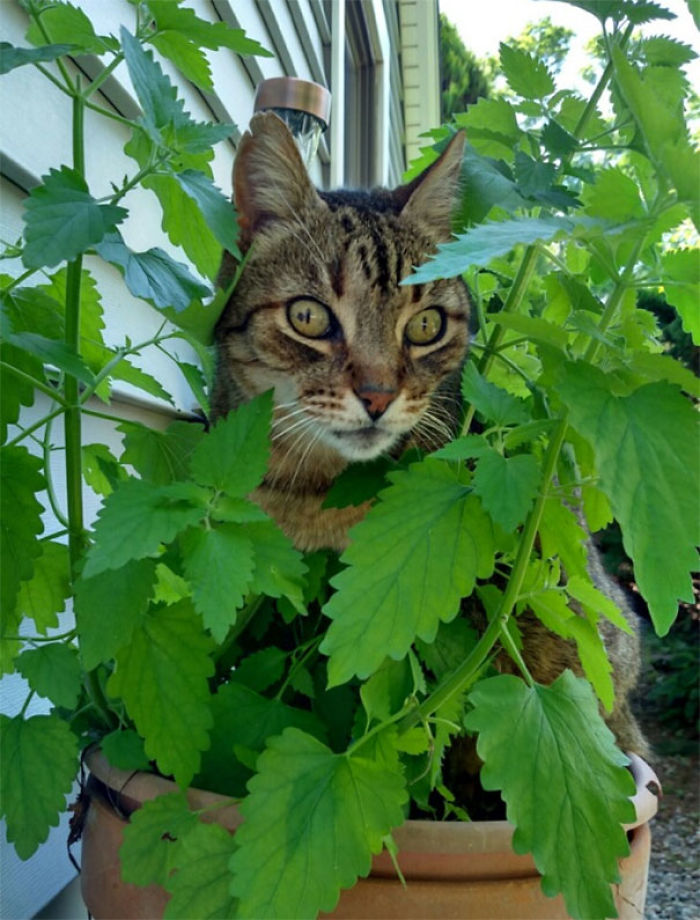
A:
{"x":72,"y":419}
{"x":27,"y":378}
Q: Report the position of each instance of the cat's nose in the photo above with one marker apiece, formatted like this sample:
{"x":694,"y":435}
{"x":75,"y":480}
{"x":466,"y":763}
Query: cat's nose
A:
{"x":376,"y":400}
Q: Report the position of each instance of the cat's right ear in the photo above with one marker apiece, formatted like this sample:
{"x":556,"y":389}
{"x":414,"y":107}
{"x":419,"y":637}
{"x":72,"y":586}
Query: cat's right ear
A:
{"x":270,"y":181}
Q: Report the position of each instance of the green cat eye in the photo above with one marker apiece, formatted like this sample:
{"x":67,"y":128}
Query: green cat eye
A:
{"x":425,"y":327}
{"x":310,"y":318}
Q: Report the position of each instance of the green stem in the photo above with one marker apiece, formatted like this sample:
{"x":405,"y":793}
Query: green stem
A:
{"x":51,"y":492}
{"x":109,"y":114}
{"x":27,"y":432}
{"x":106,"y":73}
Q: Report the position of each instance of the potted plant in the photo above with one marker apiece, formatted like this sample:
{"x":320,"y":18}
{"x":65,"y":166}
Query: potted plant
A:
{"x":320,"y":696}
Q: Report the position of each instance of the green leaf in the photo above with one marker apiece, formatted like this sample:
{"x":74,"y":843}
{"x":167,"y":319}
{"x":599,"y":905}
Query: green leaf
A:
{"x":200,"y":886}
{"x":571,"y":786}
{"x":480,"y":244}
{"x":185,"y":224}
{"x":306,"y":803}
{"x":245,"y":719}
{"x":233,"y":456}
{"x":152,"y":275}
{"x":385,"y":692}
{"x":66,"y":23}
{"x":37,"y":768}
{"x":468,"y":447}
{"x":494,"y":403}
{"x":186,"y":56}
{"x":53,"y":671}
{"x":11,"y":56}
{"x":666,"y":51}
{"x":526,"y":76}
{"x":507,"y":487}
{"x":535,"y":328}
{"x":160,"y":457}
{"x":153,"y":839}
{"x":137,"y":517}
{"x":101,"y":469}
{"x":218,"y":210}
{"x":44,"y":594}
{"x":16,"y":392}
{"x":20,"y":521}
{"x":156,"y":94}
{"x":453,"y":643}
{"x":485,"y":182}
{"x":218,"y":563}
{"x":358,"y":483}
{"x":412,"y":558}
{"x":491,"y":119}
{"x":109,"y":607}
{"x":645,"y":453}
{"x":279,"y":568}
{"x":129,"y":373}
{"x":49,"y":351}
{"x":614,"y":195}
{"x":170,"y":16}
{"x":682,"y":269}
{"x":262,"y":669}
{"x":124,"y":750}
{"x":161,"y":676}
{"x":63,"y":219}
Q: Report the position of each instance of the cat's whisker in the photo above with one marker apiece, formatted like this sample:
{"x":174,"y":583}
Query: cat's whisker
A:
{"x":300,"y":464}
{"x":306,"y":420}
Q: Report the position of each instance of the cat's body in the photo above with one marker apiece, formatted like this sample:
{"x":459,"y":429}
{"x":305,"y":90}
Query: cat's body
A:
{"x":360,"y":365}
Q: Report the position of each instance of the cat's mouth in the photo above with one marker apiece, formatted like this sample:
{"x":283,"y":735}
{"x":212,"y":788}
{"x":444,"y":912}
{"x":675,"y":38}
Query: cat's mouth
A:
{"x":362,"y":443}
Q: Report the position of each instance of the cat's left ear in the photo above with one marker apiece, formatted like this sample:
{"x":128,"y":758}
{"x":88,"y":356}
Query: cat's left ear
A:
{"x":431,"y":196}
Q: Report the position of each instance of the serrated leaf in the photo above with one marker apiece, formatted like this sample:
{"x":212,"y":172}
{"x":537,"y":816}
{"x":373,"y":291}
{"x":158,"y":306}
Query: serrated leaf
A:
{"x":152,"y":275}
{"x":44,"y":595}
{"x":614,"y":195}
{"x":570,"y":786}
{"x":200,"y":886}
{"x":557,"y":140}
{"x":137,"y":517}
{"x":161,"y":676}
{"x":101,"y":469}
{"x":493,"y":402}
{"x":66,"y":23}
{"x":218,"y":210}
{"x":526,"y":75}
{"x":190,"y":60}
{"x":185,"y":224}
{"x":109,"y":607}
{"x":139,"y":378}
{"x":494,"y":119}
{"x":306,"y":803}
{"x":11,"y":56}
{"x":37,"y":768}
{"x":233,"y":456}
{"x":487,"y":241}
{"x":485,"y":182}
{"x":507,"y":486}
{"x":49,"y":351}
{"x":172,"y":17}
{"x":453,"y":643}
{"x":20,"y":521}
{"x":53,"y":671}
{"x":63,"y":219}
{"x":468,"y":447}
{"x":245,"y":719}
{"x":645,"y":453}
{"x":416,"y":553}
{"x":385,"y":692}
{"x":153,"y":839}
{"x":16,"y":391}
{"x":218,"y":563}
{"x":279,"y":568}
{"x":358,"y":483}
{"x":156,"y":94}
{"x":667,"y":51}
{"x":124,"y":750}
{"x":585,"y":592}
{"x":682,"y":269}
{"x":160,"y":457}
{"x":262,"y":669}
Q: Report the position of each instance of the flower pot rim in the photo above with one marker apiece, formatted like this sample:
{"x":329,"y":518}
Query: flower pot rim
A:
{"x":455,"y":836}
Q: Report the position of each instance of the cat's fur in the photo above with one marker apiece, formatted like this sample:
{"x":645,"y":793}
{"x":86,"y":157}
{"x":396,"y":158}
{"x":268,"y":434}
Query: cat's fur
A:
{"x":363,"y":389}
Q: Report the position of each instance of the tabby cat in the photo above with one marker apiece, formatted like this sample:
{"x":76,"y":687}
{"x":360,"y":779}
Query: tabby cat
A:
{"x":360,"y":365}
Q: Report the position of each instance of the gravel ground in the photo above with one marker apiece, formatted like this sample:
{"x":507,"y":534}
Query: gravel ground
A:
{"x":674,"y":872}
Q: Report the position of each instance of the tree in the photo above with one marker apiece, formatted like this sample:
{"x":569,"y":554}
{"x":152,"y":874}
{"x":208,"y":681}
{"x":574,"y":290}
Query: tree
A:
{"x":463,"y":77}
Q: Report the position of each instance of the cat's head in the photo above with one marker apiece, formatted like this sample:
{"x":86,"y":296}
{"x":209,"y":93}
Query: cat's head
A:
{"x":358,"y":363}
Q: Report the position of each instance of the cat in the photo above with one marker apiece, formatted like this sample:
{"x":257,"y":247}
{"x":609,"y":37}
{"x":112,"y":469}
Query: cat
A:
{"x":360,"y":365}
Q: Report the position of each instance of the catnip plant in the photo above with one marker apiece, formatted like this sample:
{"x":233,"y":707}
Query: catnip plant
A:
{"x":321,"y":693}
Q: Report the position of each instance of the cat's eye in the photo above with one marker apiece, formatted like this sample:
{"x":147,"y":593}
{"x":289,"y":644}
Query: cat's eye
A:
{"x":425,"y":327}
{"x":310,"y":318}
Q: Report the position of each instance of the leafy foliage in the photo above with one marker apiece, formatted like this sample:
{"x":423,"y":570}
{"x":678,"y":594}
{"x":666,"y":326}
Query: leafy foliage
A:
{"x":332,"y":694}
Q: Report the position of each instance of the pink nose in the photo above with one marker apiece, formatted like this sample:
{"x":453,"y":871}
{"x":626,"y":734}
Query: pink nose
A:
{"x":376,"y":399}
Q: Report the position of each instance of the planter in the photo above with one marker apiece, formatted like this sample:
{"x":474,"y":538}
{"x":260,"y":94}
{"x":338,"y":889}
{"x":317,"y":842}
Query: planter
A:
{"x":453,"y":870}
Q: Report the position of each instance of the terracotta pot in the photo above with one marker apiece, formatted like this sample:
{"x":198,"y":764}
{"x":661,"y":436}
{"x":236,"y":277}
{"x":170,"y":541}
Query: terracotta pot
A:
{"x":465,"y":871}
